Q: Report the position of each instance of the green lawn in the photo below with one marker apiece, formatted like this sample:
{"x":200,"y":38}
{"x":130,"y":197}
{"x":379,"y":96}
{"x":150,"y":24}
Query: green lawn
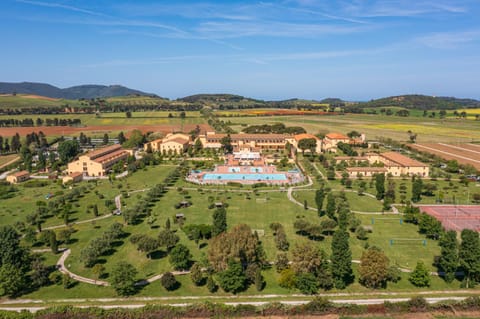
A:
{"x":257,"y":209}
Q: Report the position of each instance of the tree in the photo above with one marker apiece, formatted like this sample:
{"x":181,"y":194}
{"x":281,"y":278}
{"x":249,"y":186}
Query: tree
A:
{"x":180,"y":257}
{"x":449,"y":255}
{"x":67,"y":150}
{"x":287,"y":279}
{"x":319,"y":198}
{"x":469,"y":255}
{"x":306,"y":258}
{"x":211,"y":284}
{"x":226,"y":143}
{"x":122,"y":278}
{"x":147,"y":244}
{"x":106,"y":139}
{"x":341,"y":259}
{"x":259,"y":280}
{"x":373,"y":270}
{"x":40,"y":272}
{"x":167,"y":239}
{"x":307,"y":144}
{"x":128,"y":114}
{"x":98,"y":270}
{"x":219,"y":221}
{"x":232,"y":279}
{"x":331,"y":206}
{"x":306,"y":283}
{"x":196,"y":274}
{"x":282,"y":262}
{"x":420,"y":276}
{"x":12,"y":253}
{"x":136,"y":139}
{"x":121,"y":138}
{"x":168,"y":281}
{"x":239,"y":244}
{"x":417,"y":186}
{"x":12,"y":280}
{"x":380,"y":185}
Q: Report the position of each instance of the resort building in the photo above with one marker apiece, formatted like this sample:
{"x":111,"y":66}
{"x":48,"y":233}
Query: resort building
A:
{"x":354,"y":172}
{"x":398,"y":164}
{"x":331,"y":141}
{"x":73,"y":177}
{"x":258,"y":142}
{"x":99,"y":162}
{"x":296,"y":138}
{"x":390,"y":163}
{"x":172,"y":143}
{"x":18,"y":177}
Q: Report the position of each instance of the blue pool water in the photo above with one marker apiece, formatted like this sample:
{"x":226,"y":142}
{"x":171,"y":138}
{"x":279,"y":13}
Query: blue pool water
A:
{"x":247,"y":177}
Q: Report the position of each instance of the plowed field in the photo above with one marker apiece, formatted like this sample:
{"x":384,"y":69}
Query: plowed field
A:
{"x":93,"y":130}
{"x":465,"y":153}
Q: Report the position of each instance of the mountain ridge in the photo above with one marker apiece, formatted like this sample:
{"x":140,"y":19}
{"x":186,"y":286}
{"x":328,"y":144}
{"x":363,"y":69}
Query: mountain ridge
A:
{"x":86,"y":91}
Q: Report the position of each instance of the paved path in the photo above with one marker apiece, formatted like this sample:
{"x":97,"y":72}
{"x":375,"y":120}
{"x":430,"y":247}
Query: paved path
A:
{"x":122,"y":305}
{"x":80,"y":222}
{"x":64,"y":270}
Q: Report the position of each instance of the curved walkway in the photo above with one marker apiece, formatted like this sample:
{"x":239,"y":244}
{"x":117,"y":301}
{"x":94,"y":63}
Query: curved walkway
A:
{"x":63,"y":269}
{"x":80,"y":222}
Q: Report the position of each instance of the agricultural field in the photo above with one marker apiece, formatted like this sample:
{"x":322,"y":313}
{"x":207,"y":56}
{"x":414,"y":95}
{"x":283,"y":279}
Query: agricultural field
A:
{"x":465,"y":153}
{"x":374,"y":126}
{"x":6,"y":159}
{"x":111,"y":123}
{"x":27,"y":101}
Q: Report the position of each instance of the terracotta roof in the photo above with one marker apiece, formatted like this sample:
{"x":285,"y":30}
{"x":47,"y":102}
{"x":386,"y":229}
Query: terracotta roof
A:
{"x":366,"y":169}
{"x":299,"y":137}
{"x":248,"y":136}
{"x":110,"y":156}
{"x":75,"y":174}
{"x":337,"y":136}
{"x":103,"y":150}
{"x":402,"y":160}
{"x":21,"y":173}
{"x":178,"y":140}
{"x":349,"y":158}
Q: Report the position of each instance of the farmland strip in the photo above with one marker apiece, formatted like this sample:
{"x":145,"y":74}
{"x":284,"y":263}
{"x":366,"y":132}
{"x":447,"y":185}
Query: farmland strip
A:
{"x":460,"y":148}
{"x":448,"y":153}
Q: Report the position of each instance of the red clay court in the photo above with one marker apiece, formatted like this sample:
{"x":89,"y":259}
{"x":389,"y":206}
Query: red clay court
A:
{"x":455,"y":217}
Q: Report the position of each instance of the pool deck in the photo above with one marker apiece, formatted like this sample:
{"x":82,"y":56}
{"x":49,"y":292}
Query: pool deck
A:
{"x":259,"y":174}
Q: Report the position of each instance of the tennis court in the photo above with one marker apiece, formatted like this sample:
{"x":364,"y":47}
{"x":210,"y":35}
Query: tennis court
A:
{"x":455,"y":217}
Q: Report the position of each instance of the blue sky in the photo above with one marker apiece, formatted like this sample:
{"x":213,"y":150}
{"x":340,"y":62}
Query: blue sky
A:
{"x":356,"y":50}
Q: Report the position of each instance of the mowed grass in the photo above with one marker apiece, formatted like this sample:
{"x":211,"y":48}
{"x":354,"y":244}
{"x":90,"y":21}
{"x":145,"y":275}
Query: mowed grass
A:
{"x":258,"y":210}
{"x":375,"y":126}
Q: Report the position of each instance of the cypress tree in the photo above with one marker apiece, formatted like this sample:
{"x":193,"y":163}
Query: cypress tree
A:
{"x":331,"y":206}
{"x":341,"y":259}
{"x":319,"y":198}
{"x":469,"y":255}
{"x":449,"y":255}
{"x":380,"y":185}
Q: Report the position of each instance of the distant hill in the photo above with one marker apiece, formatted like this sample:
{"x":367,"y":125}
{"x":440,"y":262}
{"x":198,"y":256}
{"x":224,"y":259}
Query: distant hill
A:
{"x":89,"y":91}
{"x":421,"y":102}
{"x":216,"y":98}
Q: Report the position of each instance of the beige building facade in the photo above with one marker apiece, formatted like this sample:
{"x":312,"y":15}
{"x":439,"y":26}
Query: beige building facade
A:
{"x":99,"y":162}
{"x":18,"y":177}
{"x":172,"y":143}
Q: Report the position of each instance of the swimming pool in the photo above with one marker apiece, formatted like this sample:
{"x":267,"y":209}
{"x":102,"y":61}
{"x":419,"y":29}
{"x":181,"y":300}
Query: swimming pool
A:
{"x":244,"y":177}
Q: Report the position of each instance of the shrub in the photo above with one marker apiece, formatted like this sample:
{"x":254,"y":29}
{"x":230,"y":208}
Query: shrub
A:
{"x":168,"y":281}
